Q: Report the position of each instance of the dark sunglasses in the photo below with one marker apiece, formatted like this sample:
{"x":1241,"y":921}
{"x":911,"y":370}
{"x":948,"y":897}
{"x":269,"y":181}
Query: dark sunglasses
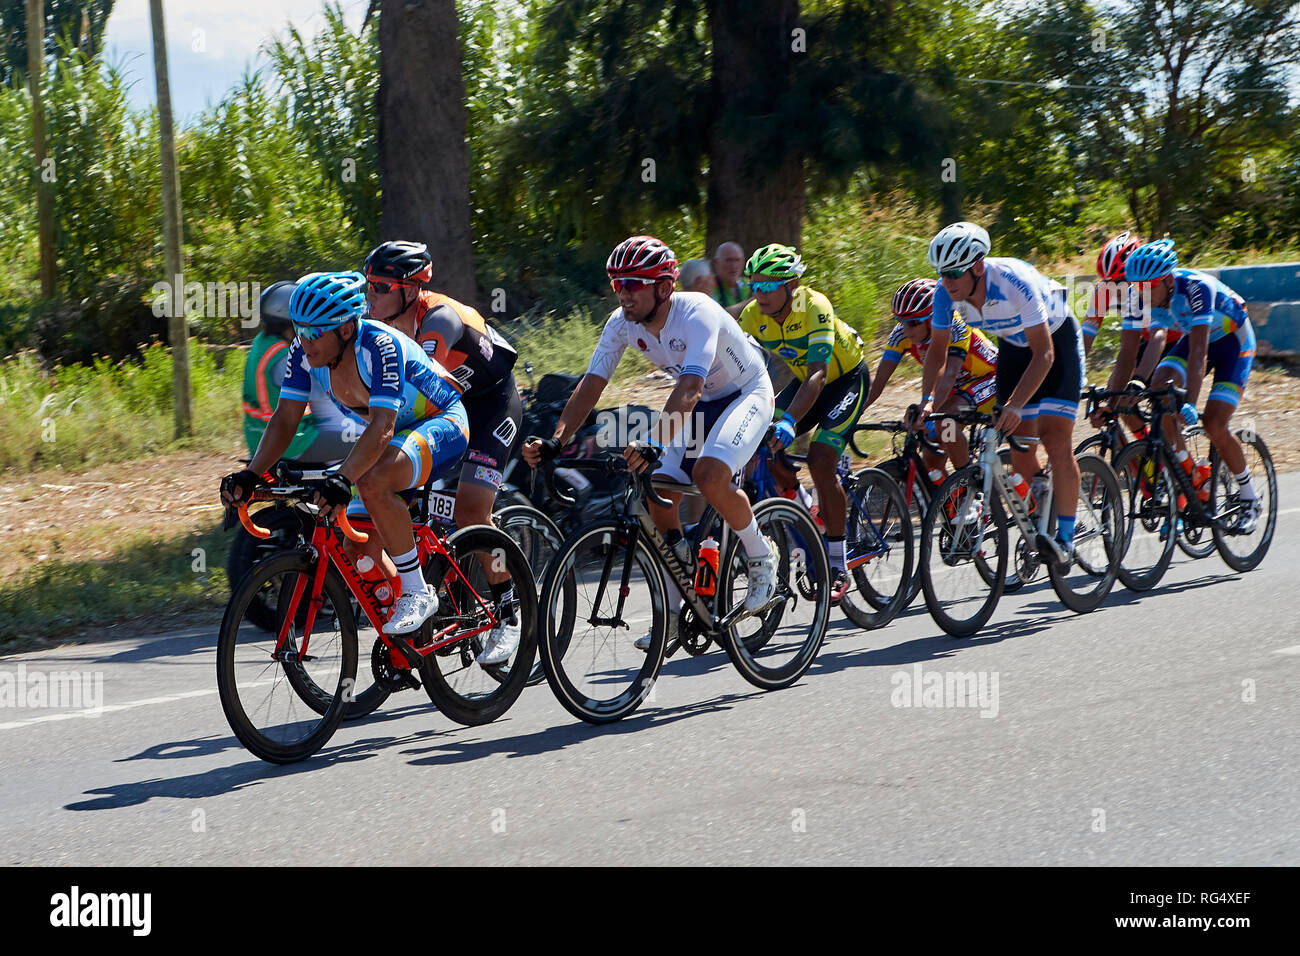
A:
{"x":633,"y":284}
{"x":954,"y":273}
{"x":383,"y":287}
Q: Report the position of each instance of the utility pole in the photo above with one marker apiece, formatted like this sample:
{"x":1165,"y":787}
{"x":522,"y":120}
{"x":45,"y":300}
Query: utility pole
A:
{"x":171,"y":200}
{"x":44,"y":175}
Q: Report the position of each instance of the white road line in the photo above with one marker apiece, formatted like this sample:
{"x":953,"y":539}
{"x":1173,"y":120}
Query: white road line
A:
{"x":1287,"y":511}
{"x":1295,"y":649}
{"x":111,"y":708}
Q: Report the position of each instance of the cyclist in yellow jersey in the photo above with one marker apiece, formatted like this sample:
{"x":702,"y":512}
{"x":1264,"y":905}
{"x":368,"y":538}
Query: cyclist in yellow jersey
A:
{"x":969,"y":378}
{"x":831,"y":379}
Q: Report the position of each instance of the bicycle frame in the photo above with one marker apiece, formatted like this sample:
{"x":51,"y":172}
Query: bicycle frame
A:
{"x":325,"y":544}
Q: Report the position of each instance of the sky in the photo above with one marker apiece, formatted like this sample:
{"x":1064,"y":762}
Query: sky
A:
{"x":209,"y":43}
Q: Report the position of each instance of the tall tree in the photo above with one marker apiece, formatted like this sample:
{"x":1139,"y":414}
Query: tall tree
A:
{"x":44,"y":187}
{"x":80,"y":22}
{"x":423,"y":153}
{"x":178,"y":332}
{"x":1175,"y":100}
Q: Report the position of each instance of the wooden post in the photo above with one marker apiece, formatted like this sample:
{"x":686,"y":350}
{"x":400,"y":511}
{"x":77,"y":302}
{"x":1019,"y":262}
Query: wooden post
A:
{"x":44,"y":178}
{"x":177,"y":332}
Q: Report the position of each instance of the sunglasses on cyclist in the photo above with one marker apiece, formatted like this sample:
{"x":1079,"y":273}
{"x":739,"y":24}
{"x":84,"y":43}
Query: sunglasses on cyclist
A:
{"x":767,"y":286}
{"x":953,"y":273}
{"x":914,"y":321}
{"x":632,"y":284}
{"x":384,"y":286}
{"x":308,"y":333}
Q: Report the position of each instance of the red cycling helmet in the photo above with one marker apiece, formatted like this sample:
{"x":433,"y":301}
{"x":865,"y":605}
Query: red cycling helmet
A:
{"x":1110,"y":261}
{"x":914,"y":299}
{"x":641,"y":257}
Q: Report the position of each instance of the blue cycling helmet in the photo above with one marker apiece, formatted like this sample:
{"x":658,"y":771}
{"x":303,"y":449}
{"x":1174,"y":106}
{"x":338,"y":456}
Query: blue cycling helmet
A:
{"x":326,"y":300}
{"x":1152,"y":261}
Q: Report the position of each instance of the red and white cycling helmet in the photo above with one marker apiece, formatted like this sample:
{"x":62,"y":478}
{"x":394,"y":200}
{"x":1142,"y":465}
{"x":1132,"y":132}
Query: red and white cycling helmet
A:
{"x":914,"y":299}
{"x":641,"y":257}
{"x":1110,"y":261}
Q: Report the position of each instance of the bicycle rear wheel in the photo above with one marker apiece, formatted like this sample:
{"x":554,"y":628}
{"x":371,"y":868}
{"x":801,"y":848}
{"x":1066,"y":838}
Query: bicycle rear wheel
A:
{"x":466,"y":691}
{"x":283,"y":706}
{"x":1151,"y":516}
{"x":587,"y":649}
{"x":878,"y":549}
{"x":774,"y":649}
{"x":1244,"y":552}
{"x":963,"y":553}
{"x":1098,"y":538}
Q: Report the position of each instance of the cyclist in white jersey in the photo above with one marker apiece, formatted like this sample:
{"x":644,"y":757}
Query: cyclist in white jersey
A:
{"x":1040,"y":358}
{"x":715,"y":417}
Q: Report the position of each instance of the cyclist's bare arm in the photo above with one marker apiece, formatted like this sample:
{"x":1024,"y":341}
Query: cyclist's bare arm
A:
{"x":1151,"y":358}
{"x":808,"y":392}
{"x":934,"y":362}
{"x":365,"y":454}
{"x":943,"y":392}
{"x":1129,"y":340}
{"x":1196,"y":352}
{"x":278,"y":435}
{"x":884,"y":371}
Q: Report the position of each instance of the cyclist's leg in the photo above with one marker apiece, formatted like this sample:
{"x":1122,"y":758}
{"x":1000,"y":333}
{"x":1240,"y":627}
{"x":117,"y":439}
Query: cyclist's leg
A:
{"x":1230,"y":359}
{"x":1058,"y":408}
{"x":414,"y":455}
{"x":1172,"y":370}
{"x":1012,"y":362}
{"x":835,"y":413}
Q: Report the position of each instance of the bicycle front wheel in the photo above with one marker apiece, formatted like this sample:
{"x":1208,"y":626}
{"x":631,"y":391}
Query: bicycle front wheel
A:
{"x":464,"y":690}
{"x":1244,"y":552}
{"x":539,"y":538}
{"x":878,"y":549}
{"x":1098,"y":539}
{"x":1151,"y":516}
{"x":774,"y":648}
{"x":963,"y":553}
{"x":284,"y":702}
{"x":588,"y":622}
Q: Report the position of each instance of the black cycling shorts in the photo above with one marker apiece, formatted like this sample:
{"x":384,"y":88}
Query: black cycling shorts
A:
{"x":836,"y":410}
{"x":494,"y":432}
{"x":1058,"y":396}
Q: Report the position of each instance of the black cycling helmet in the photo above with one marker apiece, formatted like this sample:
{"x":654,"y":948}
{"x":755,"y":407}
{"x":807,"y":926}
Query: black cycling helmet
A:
{"x":274,"y":307}
{"x":400,"y":260}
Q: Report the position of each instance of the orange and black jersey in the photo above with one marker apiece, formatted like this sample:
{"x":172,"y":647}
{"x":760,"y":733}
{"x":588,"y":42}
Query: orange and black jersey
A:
{"x":459,"y":339}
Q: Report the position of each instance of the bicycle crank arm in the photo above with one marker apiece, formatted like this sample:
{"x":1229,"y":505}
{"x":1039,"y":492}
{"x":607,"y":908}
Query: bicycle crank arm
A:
{"x":738,"y":613}
{"x":608,"y":622}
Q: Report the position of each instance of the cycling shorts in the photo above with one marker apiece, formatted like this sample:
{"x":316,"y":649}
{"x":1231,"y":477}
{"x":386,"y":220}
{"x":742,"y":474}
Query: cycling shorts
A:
{"x":1229,"y":358}
{"x":729,"y":429}
{"x":1058,"y":396}
{"x":494,"y":422}
{"x":981,"y":394}
{"x":837,"y":408}
{"x":432,"y":446}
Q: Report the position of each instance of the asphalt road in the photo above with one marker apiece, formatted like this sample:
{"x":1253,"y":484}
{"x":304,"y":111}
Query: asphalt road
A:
{"x":1162,"y":729}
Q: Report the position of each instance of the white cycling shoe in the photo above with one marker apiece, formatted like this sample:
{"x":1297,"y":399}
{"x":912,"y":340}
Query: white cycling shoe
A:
{"x":1248,"y":517}
{"x":411,"y":610}
{"x":503,"y":641}
{"x":761,"y":573}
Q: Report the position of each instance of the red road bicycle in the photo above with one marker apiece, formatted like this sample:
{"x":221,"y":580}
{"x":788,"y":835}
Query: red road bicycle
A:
{"x":286,"y":689}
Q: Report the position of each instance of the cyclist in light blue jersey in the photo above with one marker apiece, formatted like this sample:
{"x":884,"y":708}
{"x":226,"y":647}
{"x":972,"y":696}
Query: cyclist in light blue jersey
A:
{"x":406,"y":407}
{"x":1216,"y":332}
{"x":1040,"y":358}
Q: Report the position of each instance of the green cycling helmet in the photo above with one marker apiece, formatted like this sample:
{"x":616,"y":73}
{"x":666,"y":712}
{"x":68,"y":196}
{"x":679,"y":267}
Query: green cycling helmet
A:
{"x":775,"y":260}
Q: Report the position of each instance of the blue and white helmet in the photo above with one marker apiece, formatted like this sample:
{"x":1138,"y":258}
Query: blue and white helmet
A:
{"x":326,"y":300}
{"x":1152,"y":261}
{"x":958,"y":246}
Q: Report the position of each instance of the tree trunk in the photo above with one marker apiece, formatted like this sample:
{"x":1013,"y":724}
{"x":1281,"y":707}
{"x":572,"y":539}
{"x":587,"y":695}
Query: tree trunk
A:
{"x":752,"y":199}
{"x":44,"y":184}
{"x":423,"y":154}
{"x":177,"y":330}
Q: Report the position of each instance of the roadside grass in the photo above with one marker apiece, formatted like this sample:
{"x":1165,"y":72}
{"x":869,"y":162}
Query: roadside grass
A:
{"x":147,"y":575}
{"x":78,"y":416}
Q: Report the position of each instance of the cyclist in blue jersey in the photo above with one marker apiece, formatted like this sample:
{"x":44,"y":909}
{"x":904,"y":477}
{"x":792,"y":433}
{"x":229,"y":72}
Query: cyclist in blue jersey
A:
{"x":1040,"y":359}
{"x":408,"y":406}
{"x":1216,"y":332}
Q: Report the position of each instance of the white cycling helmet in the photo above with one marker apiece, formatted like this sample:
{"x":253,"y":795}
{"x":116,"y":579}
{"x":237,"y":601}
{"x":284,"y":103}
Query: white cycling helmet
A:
{"x":958,"y":246}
